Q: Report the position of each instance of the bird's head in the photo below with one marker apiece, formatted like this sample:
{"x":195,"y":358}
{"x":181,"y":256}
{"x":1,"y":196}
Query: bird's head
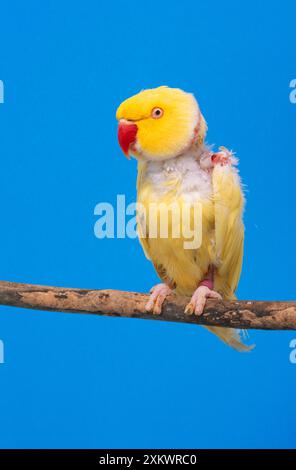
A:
{"x":159,"y":124}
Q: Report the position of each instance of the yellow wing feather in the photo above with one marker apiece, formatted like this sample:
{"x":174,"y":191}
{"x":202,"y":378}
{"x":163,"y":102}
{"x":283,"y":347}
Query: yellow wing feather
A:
{"x":229,"y":229}
{"x":229,"y":240}
{"x":142,"y":238}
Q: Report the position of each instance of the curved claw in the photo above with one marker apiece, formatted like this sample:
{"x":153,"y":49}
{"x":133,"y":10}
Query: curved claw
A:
{"x":198,"y":300}
{"x":157,"y":297}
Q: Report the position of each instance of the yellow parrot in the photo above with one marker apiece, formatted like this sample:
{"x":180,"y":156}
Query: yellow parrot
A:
{"x":163,"y":128}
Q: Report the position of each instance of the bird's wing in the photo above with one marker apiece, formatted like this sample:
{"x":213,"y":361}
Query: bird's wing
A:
{"x":141,"y":221}
{"x":229,"y":229}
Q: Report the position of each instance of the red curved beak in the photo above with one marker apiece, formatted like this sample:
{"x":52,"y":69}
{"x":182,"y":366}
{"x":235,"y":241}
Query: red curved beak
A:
{"x":127,"y":134}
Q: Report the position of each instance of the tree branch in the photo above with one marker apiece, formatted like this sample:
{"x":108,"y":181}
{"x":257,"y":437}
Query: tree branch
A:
{"x":234,"y":314}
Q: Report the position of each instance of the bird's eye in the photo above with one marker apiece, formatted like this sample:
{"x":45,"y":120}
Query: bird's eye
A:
{"x":157,"y":113}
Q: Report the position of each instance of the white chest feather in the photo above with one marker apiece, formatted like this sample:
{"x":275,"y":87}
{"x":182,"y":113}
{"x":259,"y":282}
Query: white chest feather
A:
{"x":186,"y":176}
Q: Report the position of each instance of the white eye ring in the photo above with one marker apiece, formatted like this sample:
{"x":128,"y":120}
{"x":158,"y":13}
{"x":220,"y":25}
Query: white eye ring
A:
{"x":157,"y":113}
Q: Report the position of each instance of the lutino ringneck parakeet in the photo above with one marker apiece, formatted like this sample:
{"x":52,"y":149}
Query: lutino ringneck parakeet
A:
{"x":163,"y":128}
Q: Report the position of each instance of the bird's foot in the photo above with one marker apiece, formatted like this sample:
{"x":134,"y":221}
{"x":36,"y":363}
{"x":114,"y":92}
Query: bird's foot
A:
{"x":199,"y":298}
{"x":158,"y":295}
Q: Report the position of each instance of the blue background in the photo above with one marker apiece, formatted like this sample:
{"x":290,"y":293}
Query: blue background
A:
{"x":86,"y":381}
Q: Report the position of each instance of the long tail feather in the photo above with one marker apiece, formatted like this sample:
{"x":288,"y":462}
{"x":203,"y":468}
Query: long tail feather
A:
{"x":231,"y":337}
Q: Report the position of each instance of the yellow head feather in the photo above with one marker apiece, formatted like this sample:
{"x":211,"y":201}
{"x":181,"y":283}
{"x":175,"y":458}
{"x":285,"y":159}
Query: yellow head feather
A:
{"x":166,"y":133}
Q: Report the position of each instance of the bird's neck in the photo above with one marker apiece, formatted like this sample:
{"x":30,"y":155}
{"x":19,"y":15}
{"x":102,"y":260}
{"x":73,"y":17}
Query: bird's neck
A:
{"x":189,"y":159}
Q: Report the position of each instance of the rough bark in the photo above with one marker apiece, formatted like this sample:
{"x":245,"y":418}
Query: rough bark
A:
{"x":234,"y":314}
